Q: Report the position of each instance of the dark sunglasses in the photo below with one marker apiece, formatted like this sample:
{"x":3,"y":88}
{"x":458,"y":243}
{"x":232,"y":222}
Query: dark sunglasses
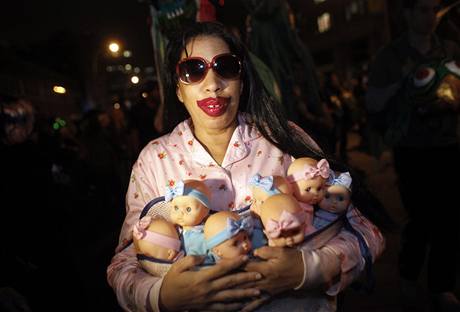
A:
{"x":194,"y":69}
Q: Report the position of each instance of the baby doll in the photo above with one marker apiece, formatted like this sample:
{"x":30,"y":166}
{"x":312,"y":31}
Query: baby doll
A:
{"x":189,"y":208}
{"x":335,"y":202}
{"x":308,"y":178}
{"x":157,"y":244}
{"x":283,"y":220}
{"x":264,"y":187}
{"x":227,"y":235}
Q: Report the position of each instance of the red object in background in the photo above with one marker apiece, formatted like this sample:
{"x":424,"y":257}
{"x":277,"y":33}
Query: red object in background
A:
{"x":208,"y":11}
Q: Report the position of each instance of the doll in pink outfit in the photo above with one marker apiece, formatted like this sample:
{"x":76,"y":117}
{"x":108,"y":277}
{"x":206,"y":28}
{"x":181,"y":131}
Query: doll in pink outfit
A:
{"x":283,"y":220}
{"x":308,"y":177}
{"x":157,"y":244}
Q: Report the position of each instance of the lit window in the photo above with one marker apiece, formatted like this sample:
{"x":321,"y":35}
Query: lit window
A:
{"x":324,"y":22}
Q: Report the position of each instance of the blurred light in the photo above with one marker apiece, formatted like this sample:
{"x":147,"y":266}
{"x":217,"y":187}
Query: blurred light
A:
{"x":59,"y":89}
{"x":116,"y":105}
{"x":145,"y":95}
{"x":135,"y":79}
{"x":114,"y":47}
{"x":128,"y":67}
{"x":59,"y":123}
{"x":137,"y":70}
{"x":109,"y":69}
{"x":324,"y":22}
{"x":127,"y":53}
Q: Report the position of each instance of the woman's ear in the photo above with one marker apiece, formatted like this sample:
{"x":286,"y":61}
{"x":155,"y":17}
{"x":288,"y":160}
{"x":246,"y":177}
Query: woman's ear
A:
{"x":179,"y":94}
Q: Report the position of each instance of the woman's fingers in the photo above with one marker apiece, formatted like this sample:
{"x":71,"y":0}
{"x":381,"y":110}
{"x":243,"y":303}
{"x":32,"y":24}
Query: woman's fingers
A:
{"x":256,"y":303}
{"x":223,"y":267}
{"x":231,"y":295}
{"x":232,"y":280}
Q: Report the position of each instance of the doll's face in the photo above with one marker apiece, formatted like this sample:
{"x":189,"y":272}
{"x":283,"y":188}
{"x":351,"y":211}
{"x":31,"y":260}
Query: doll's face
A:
{"x":337,"y":199}
{"x":238,"y":245}
{"x":187,"y":211}
{"x":309,"y":191}
{"x":158,"y":252}
{"x":288,"y":238}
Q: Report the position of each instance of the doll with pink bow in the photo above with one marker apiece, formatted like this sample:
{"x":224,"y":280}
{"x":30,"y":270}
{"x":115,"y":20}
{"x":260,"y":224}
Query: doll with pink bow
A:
{"x":227,"y":235}
{"x":336,"y":200}
{"x":283,"y":220}
{"x":307,"y":177}
{"x":157,"y":244}
{"x":189,"y":202}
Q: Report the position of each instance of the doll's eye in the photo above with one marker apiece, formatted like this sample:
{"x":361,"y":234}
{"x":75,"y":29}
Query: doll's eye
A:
{"x":454,"y":67}
{"x":188,"y":209}
{"x":340,"y":198}
{"x":308,"y":189}
{"x":176,"y":208}
{"x":423,"y":76}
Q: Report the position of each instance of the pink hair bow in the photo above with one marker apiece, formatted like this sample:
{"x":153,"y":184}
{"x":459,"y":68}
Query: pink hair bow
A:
{"x":287,"y":221}
{"x":140,"y":227}
{"x":321,"y":169}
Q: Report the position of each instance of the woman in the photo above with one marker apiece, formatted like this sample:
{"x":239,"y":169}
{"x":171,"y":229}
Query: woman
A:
{"x":210,"y":74}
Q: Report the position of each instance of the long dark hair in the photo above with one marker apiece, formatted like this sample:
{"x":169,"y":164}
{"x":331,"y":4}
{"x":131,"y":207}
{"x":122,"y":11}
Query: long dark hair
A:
{"x":264,"y":111}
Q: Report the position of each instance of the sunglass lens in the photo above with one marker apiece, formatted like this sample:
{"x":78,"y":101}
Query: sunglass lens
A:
{"x":192,"y":70}
{"x":227,"y":66}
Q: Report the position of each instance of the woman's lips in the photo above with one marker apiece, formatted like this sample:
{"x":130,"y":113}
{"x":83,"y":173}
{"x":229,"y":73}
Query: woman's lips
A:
{"x":213,"y":106}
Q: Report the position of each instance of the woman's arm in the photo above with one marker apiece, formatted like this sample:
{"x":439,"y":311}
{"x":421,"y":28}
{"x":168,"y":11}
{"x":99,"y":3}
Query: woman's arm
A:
{"x":331,"y":267}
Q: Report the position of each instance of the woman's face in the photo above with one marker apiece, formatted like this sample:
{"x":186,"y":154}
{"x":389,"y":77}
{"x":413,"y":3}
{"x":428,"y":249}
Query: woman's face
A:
{"x":213,"y":102}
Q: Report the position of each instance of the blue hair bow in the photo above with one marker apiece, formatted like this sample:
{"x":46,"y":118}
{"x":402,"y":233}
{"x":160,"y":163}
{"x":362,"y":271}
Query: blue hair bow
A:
{"x":344,"y":179}
{"x":179,"y":189}
{"x":176,"y":190}
{"x":265,"y":183}
{"x":233,"y":227}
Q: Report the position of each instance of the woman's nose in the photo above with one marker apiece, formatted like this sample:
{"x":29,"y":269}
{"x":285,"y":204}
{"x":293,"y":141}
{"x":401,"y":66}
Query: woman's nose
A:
{"x":212,"y":82}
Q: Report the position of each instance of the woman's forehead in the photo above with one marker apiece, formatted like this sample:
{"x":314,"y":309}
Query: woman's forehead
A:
{"x":205,"y":46}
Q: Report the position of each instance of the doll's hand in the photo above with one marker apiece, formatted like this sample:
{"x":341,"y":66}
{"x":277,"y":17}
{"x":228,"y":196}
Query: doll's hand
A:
{"x":214,"y":288}
{"x":281,"y":268}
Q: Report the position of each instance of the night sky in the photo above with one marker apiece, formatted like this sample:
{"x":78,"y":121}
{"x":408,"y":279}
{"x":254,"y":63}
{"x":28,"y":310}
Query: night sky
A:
{"x":25,"y":21}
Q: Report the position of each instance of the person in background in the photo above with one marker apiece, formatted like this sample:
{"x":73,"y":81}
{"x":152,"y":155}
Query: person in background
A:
{"x":426,"y":138}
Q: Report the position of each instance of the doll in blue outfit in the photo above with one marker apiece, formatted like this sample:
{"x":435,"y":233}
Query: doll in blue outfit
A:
{"x":189,"y":209}
{"x":227,"y":235}
{"x":336,"y":200}
{"x":262,"y":188}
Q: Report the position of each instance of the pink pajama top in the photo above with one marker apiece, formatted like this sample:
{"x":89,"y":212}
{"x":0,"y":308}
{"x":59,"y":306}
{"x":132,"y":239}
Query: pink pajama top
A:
{"x":179,"y":156}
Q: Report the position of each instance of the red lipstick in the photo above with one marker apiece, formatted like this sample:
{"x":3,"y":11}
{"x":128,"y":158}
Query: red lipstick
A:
{"x":213,"y":106}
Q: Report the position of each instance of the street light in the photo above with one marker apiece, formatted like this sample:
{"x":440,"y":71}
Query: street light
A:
{"x":114,"y":47}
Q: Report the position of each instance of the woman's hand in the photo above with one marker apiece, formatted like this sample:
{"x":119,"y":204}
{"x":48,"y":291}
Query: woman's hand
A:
{"x":214,"y":288}
{"x":281,"y":268}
